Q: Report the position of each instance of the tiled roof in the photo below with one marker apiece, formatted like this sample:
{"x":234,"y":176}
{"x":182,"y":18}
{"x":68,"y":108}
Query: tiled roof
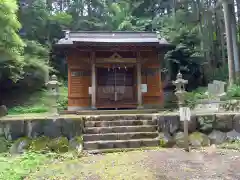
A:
{"x":111,"y":37}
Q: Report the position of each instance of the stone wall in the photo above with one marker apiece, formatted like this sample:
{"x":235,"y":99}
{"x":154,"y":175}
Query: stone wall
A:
{"x":207,"y":129}
{"x":14,"y":129}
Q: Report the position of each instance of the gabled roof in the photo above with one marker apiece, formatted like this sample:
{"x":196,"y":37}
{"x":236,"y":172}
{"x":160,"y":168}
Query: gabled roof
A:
{"x":111,"y":37}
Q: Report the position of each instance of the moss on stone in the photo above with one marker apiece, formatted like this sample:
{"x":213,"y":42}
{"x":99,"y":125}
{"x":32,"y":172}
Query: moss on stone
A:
{"x":3,"y":145}
{"x":59,"y":145}
{"x":40,"y":144}
{"x":165,"y":140}
{"x":198,"y":139}
{"x":20,"y":145}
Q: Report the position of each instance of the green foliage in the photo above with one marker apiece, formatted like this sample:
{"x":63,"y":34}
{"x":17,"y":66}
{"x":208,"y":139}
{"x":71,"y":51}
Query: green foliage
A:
{"x":11,"y":45}
{"x":231,"y":145}
{"x":63,"y":98}
{"x":179,"y":29}
{"x":233,"y":91}
{"x":40,"y":144}
{"x":38,"y":102}
{"x":192,"y":98}
{"x":34,"y":19}
{"x":17,"y":167}
{"x":220,"y":73}
{"x":59,"y":145}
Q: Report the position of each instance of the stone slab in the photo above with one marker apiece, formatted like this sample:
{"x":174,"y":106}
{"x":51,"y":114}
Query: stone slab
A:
{"x":91,"y":145}
{"x":120,"y":129}
{"x":120,"y":136}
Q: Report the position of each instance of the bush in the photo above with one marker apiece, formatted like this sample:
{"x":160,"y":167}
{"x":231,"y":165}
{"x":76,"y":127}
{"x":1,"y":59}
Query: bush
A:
{"x":193,"y":97}
{"x":233,"y":91}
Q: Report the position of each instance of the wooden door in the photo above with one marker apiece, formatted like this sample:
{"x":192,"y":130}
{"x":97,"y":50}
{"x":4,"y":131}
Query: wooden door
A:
{"x":115,"y":87}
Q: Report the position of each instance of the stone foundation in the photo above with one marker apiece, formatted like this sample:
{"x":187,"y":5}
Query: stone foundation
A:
{"x":14,"y":129}
{"x":218,"y":128}
{"x":203,"y":129}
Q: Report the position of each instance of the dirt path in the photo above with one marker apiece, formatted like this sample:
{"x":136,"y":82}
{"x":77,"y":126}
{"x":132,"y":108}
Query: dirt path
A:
{"x":166,"y":164}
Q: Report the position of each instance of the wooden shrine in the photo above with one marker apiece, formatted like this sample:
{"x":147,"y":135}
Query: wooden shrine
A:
{"x":113,"y":69}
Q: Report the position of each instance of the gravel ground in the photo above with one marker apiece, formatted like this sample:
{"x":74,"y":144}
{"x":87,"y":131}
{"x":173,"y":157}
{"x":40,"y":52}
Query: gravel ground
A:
{"x":163,"y":164}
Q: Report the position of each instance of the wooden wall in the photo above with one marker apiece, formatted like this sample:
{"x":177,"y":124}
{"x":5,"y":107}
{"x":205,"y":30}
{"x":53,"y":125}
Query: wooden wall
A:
{"x":152,"y":77}
{"x":79,"y":79}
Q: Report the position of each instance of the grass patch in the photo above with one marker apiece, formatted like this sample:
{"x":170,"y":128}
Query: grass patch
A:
{"x":39,"y":102}
{"x":18,"y":167}
{"x":127,"y":165}
{"x":235,"y":145}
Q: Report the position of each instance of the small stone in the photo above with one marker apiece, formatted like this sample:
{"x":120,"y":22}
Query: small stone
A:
{"x":166,"y":140}
{"x":206,"y":123}
{"x":76,"y":144}
{"x":3,"y":110}
{"x":236,"y":123}
{"x":179,"y":139}
{"x":198,"y":139}
{"x":217,"y":137}
{"x":223,"y":123}
{"x":20,"y":145}
{"x":233,"y":135}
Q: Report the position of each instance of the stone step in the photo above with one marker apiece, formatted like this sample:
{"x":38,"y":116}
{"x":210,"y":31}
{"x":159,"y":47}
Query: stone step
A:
{"x":119,"y":129}
{"x":133,"y":143}
{"x":102,"y":151}
{"x":119,"y":136}
{"x":119,"y":117}
{"x":119,"y":123}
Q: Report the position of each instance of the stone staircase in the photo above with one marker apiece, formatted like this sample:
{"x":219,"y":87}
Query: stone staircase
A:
{"x":119,"y":132}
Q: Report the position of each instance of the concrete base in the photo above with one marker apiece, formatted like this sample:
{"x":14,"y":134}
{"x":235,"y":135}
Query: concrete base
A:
{"x":78,"y":108}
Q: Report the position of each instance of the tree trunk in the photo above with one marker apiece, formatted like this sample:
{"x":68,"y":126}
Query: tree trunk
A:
{"x":234,"y":39}
{"x":238,"y":10}
{"x":227,"y":19}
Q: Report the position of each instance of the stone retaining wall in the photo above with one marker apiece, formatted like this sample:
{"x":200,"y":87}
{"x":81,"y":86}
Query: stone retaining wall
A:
{"x":203,"y":129}
{"x":14,"y":129}
{"x":212,"y":129}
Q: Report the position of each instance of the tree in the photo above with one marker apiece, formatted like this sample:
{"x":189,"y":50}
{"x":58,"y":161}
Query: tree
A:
{"x":11,"y":45}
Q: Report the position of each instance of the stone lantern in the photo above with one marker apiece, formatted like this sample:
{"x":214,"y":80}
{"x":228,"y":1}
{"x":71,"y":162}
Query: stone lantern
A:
{"x":180,"y":89}
{"x":53,"y":89}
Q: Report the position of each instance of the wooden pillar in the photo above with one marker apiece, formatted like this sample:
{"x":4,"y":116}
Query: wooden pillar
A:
{"x":139,"y":82}
{"x":93,"y":87}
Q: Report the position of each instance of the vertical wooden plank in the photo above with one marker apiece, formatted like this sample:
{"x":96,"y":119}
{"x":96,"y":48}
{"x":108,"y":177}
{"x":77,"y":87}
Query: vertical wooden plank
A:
{"x":139,"y":81}
{"x":93,"y":75}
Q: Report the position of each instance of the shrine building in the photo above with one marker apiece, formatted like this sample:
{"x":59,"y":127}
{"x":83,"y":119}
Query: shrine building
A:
{"x":113,"y":70}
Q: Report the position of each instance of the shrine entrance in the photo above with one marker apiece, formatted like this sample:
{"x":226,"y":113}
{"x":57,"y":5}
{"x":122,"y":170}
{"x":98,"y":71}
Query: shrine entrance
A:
{"x":116,"y":86}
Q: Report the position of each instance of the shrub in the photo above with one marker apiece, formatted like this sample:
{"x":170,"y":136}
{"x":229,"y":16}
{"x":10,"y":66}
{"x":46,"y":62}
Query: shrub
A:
{"x":193,"y":97}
